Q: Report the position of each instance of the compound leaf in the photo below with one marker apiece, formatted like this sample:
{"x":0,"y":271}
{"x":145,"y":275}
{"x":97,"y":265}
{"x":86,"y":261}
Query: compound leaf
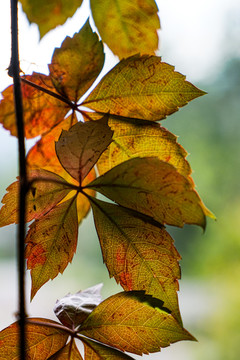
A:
{"x":45,"y":192}
{"x":134,"y":322}
{"x":51,"y":243}
{"x":69,"y":352}
{"x":49,"y":14}
{"x":41,"y":110}
{"x":79,"y":148}
{"x":142,"y":87}
{"x":127,"y":27}
{"x":138,"y":252}
{"x":155,"y":188}
{"x":41,"y":340}
{"x":77,"y":63}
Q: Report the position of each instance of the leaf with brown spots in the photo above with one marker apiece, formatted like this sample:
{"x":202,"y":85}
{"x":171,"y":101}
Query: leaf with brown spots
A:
{"x":79,"y":148}
{"x":47,"y":190}
{"x":138,"y":252}
{"x":51,"y":243}
{"x":152,"y":187}
{"x":49,"y":14}
{"x":142,"y":87}
{"x":41,"y":340}
{"x":41,"y":111}
{"x":127,"y":27}
{"x":77,"y":63}
{"x":134,"y":322}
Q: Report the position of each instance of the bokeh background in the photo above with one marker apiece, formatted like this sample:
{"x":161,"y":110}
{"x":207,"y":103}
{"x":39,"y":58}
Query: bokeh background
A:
{"x":202,"y":40}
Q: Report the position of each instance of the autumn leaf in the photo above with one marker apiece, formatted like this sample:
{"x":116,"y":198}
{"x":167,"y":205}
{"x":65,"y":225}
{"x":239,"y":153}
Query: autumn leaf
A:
{"x":152,"y":187}
{"x":133,"y":322}
{"x":51,"y":243}
{"x":142,"y":87}
{"x":69,"y":352}
{"x":77,"y":63}
{"x":41,"y":340}
{"x":41,"y":110}
{"x":127,"y":27}
{"x":47,"y":189}
{"x":138,"y":252}
{"x":97,"y":351}
{"x":79,"y":148}
{"x":49,"y":14}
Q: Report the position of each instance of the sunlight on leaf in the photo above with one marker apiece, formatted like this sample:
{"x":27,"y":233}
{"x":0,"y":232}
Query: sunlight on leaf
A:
{"x":138,"y":252}
{"x":49,"y":14}
{"x":133,"y":322}
{"x":41,"y":340}
{"x":77,"y":63}
{"x":155,"y":188}
{"x":127,"y":27}
{"x":142,"y":87}
{"x":51,"y":243}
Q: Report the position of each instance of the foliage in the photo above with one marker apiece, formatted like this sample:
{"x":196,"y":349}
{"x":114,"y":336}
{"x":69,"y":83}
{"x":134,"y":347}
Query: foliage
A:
{"x":140,"y":167}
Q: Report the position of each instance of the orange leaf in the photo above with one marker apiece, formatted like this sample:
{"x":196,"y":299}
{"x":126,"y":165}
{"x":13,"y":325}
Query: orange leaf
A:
{"x":69,"y":352}
{"x":77,"y":63}
{"x":41,"y":340}
{"x":134,"y":322}
{"x":138,"y":252}
{"x":79,"y":148}
{"x":155,"y":188}
{"x":142,"y":87}
{"x":51,"y":243}
{"x":41,"y":111}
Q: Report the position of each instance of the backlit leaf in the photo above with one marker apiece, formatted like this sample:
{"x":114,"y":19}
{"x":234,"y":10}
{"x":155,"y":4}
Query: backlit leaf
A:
{"x":139,"y":253}
{"x":127,"y":27}
{"x":41,"y":340}
{"x":49,"y":14}
{"x":42,"y":196}
{"x":142,"y":87}
{"x":41,"y":111}
{"x":77,"y":63}
{"x":155,"y":188}
{"x":69,"y":352}
{"x":51,"y":243}
{"x":79,"y":148}
{"x":97,"y":351}
{"x":133,"y":322}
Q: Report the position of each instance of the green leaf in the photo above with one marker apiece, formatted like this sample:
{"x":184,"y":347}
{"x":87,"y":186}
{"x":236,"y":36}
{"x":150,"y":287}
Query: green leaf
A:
{"x":77,"y":63}
{"x":97,"y":351}
{"x":155,"y":188}
{"x":138,"y":252}
{"x":47,"y":190}
{"x":133,"y":322}
{"x":69,"y":352}
{"x":142,"y":87}
{"x":49,"y":14}
{"x":41,"y":340}
{"x":79,"y":148}
{"x":51,"y":243}
{"x":127,"y":27}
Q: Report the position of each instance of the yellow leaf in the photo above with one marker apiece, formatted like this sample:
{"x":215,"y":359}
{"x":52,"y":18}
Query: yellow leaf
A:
{"x":127,"y":27}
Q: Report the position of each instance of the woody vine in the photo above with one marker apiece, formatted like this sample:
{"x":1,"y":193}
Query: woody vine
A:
{"x":116,"y":148}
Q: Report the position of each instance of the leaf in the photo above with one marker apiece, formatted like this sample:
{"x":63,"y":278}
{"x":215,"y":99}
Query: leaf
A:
{"x":72,"y":310}
{"x":79,"y":148}
{"x":41,"y":340}
{"x":142,"y":87}
{"x":127,"y":27}
{"x":154,"y":188}
{"x":78,"y":62}
{"x":69,"y":352}
{"x":51,"y":243}
{"x":49,"y":14}
{"x":98,"y":351}
{"x":138,"y":252}
{"x":42,"y":196}
{"x":41,"y":111}
{"x":133,"y":322}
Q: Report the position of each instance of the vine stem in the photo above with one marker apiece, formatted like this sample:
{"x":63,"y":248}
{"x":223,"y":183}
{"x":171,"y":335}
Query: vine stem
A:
{"x":14,"y":71}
